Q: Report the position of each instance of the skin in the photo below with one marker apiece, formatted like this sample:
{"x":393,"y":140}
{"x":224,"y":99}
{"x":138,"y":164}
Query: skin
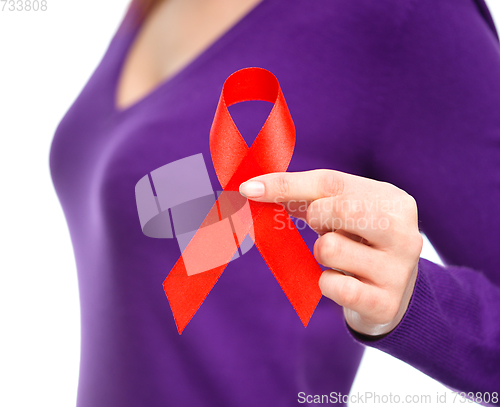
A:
{"x":367,"y":235}
{"x":173,"y":34}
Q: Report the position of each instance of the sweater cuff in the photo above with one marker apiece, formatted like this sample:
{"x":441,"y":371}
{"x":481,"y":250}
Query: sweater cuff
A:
{"x":420,"y":333}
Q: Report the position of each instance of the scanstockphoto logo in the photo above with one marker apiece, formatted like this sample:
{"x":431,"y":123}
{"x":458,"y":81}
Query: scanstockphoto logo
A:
{"x":333,"y":213}
{"x":176,"y":201}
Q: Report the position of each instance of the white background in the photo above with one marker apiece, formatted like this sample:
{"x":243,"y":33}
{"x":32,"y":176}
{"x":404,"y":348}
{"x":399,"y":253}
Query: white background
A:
{"x":45,"y":60}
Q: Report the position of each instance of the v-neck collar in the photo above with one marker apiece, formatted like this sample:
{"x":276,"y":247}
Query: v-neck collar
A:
{"x":190,"y":66}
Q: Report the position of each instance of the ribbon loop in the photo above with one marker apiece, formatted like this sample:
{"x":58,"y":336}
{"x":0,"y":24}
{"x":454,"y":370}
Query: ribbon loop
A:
{"x":282,"y":247}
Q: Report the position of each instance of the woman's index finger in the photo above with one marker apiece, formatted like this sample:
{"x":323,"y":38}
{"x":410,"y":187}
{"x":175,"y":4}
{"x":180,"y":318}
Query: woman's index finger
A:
{"x":294,"y":186}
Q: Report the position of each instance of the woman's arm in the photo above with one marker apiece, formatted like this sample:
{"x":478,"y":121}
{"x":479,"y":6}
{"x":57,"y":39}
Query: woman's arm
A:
{"x":441,"y":143}
{"x":443,"y":121}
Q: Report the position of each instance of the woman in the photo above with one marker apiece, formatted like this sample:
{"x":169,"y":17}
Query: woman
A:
{"x":404,"y":92}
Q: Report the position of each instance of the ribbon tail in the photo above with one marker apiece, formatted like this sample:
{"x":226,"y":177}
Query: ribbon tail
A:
{"x":185,"y":293}
{"x":289,"y":259}
{"x":206,"y":256}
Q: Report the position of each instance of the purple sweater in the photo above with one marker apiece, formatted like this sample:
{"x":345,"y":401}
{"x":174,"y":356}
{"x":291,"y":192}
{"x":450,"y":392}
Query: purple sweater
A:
{"x":404,"y":91}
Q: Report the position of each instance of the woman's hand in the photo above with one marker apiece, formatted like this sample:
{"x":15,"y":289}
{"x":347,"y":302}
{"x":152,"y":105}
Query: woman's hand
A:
{"x":368,"y":237}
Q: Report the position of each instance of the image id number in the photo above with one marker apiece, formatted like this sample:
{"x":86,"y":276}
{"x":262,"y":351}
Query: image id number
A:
{"x":24,"y":5}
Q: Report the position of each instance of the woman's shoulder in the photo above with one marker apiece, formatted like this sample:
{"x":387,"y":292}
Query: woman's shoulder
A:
{"x":381,"y":17}
{"x":366,"y":12}
{"x":362,"y":23}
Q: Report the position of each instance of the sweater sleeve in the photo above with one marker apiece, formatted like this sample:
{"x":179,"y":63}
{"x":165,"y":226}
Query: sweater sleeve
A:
{"x":451,"y":330}
{"x":441,"y":143}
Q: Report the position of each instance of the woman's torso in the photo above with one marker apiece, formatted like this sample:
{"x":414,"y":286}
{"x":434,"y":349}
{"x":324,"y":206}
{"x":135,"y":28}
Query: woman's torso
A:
{"x":245,"y":346}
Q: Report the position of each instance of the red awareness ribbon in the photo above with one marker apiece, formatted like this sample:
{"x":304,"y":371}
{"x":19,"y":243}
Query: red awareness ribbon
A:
{"x":282,"y":248}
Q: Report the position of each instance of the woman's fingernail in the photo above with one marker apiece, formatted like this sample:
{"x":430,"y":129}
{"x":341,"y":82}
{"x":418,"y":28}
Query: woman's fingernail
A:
{"x":252,"y":189}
